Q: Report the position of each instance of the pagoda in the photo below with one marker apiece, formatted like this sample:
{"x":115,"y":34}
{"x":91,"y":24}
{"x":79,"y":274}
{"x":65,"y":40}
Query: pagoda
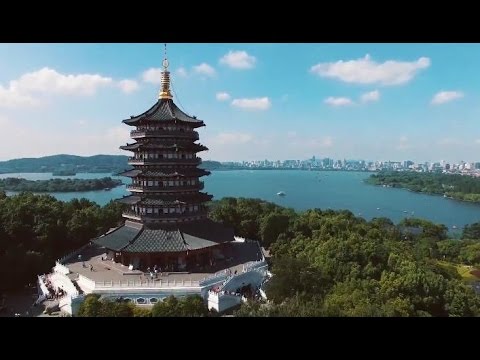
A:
{"x":166,"y":222}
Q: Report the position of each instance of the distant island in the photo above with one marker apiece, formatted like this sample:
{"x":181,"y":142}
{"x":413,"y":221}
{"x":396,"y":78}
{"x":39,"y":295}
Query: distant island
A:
{"x":58,"y":185}
{"x":72,"y":164}
{"x":459,"y":187}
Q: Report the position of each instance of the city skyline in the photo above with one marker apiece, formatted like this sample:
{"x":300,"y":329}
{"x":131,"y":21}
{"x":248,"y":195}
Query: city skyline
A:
{"x":259,"y":101}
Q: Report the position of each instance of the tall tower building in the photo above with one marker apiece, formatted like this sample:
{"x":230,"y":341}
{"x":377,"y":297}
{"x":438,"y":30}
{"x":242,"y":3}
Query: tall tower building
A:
{"x":166,"y":220}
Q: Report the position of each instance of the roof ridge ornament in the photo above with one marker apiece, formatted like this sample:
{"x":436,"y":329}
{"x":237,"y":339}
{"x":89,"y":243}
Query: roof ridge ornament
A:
{"x":165,"y":79}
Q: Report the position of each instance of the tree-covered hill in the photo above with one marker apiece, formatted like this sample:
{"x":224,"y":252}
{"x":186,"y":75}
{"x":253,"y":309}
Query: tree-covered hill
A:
{"x":58,"y":185}
{"x":456,"y":186}
{"x":74,"y":163}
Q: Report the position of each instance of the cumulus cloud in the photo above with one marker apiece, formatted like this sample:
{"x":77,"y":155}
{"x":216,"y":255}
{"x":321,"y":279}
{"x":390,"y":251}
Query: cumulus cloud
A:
{"x":50,"y":141}
{"x":443,"y":97}
{"x":223,"y":96}
{"x":29,"y":88}
{"x":233,"y":138}
{"x":128,"y":86}
{"x":152,"y":75}
{"x":338,"y":101}
{"x":51,"y":81}
{"x":14,"y":98}
{"x":238,"y":60}
{"x":204,"y":69}
{"x":252,"y":104}
{"x":181,"y":71}
{"x":370,"y":96}
{"x":367,"y":71}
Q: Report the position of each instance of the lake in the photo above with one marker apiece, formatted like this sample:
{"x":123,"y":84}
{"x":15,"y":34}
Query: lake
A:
{"x":306,"y":190}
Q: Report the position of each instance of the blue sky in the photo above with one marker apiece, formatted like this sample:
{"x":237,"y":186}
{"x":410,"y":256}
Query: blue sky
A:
{"x":277,"y":101}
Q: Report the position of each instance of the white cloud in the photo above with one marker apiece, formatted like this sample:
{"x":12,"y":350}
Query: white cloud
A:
{"x":152,"y":75}
{"x":338,"y":101}
{"x":14,"y":98}
{"x":370,"y":96}
{"x":443,"y":97}
{"x":367,"y":71}
{"x":223,"y":96}
{"x":181,"y":71}
{"x":233,"y":138}
{"x":47,"y":80}
{"x":252,"y":104}
{"x":204,"y":69}
{"x":128,"y":86}
{"x":238,"y":60}
{"x":30,"y":88}
{"x":51,"y":140}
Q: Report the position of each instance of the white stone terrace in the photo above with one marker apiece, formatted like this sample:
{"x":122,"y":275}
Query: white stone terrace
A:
{"x":95,"y":273}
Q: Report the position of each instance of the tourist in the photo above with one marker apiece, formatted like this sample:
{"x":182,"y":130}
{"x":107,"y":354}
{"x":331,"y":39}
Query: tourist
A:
{"x":91,"y":267}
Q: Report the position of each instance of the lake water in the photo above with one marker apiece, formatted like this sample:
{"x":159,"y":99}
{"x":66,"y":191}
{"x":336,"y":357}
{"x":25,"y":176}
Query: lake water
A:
{"x":306,"y":190}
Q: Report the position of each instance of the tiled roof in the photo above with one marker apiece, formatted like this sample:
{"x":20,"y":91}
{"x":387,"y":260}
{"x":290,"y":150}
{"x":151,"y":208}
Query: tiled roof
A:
{"x":166,"y":172}
{"x":130,"y":173}
{"x":158,"y":241}
{"x":129,"y":200}
{"x":188,"y":236}
{"x":167,"y":199}
{"x":164,"y":110}
{"x":119,"y":238}
{"x":164,"y":146}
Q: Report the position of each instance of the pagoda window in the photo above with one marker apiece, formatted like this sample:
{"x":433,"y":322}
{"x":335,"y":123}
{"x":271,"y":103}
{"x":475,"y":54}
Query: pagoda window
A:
{"x":171,"y":183}
{"x":177,"y":183}
{"x":195,"y":207}
{"x":165,"y":210}
{"x":155,"y":183}
{"x":170,"y":156}
{"x":149,"y":210}
{"x":165,"y":183}
{"x":172,"y":210}
{"x":156,"y":210}
{"x":184,"y":183}
{"x":178,"y":210}
{"x":190,"y":208}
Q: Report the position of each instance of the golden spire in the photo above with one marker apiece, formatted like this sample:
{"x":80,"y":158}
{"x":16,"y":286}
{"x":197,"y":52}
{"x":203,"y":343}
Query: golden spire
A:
{"x":165,"y":80}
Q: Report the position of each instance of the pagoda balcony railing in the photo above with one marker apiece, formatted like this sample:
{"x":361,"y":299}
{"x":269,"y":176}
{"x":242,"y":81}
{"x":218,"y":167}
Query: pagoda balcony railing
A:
{"x":198,"y":186}
{"x":152,"y":217}
{"x":134,"y":134}
{"x":166,"y":161}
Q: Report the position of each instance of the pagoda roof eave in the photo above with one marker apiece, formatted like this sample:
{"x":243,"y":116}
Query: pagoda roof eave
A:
{"x":164,"y":110}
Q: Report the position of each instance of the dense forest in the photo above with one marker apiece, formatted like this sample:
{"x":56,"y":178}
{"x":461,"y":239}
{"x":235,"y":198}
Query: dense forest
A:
{"x":35,"y":230}
{"x":188,"y":306}
{"x":460,"y":187}
{"x":58,"y":185}
{"x":77,"y":164}
{"x":325,"y":262}
{"x":331,"y":263}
